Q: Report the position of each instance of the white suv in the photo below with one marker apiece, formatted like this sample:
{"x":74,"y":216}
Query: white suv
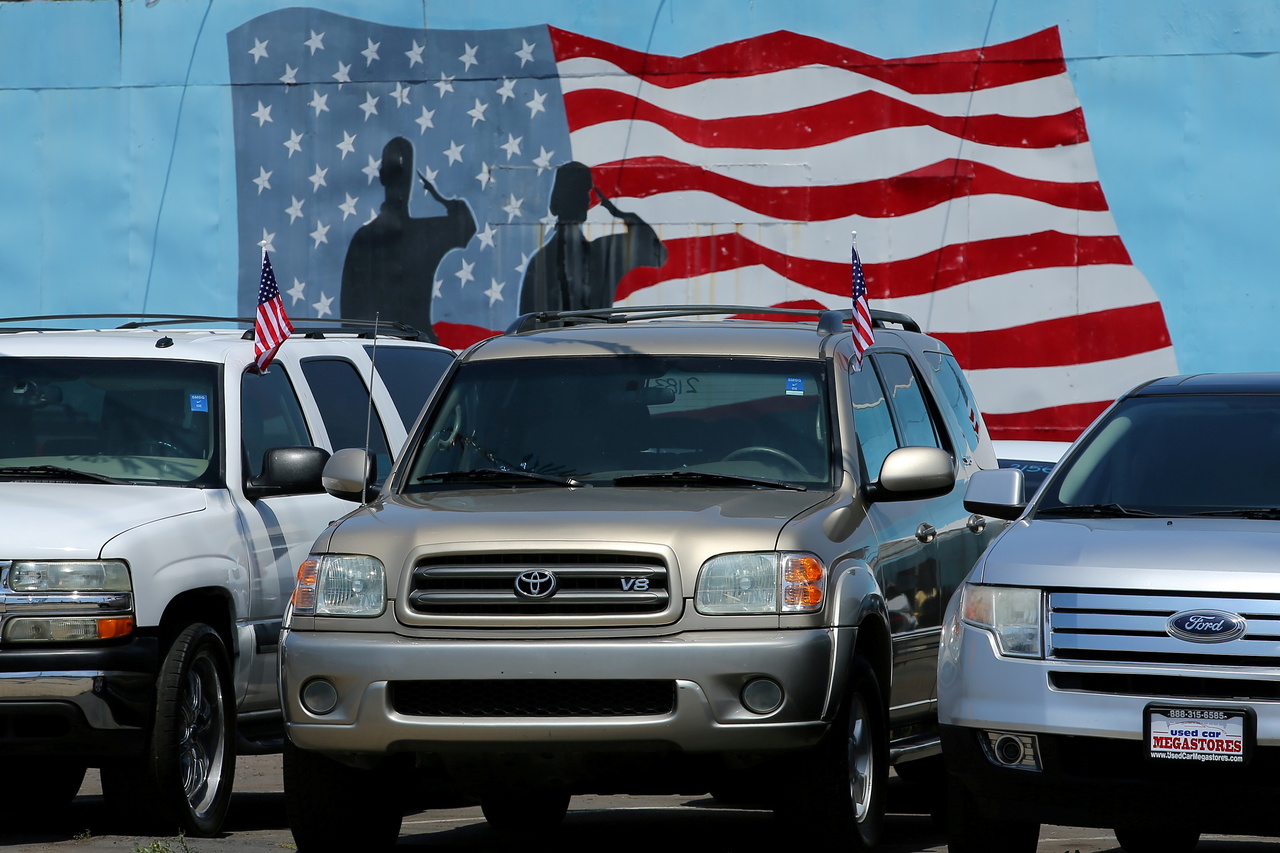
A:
{"x":158,"y":496}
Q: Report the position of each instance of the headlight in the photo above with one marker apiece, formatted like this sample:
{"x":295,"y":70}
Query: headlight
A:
{"x":69,"y":576}
{"x":772,"y":582}
{"x":1011,"y":614}
{"x":340,"y":585}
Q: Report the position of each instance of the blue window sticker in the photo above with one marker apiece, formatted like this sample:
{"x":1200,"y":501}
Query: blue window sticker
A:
{"x":199,"y":402}
{"x":795,"y":386}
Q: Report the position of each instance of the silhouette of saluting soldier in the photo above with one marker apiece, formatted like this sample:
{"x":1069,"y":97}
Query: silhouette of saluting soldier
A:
{"x":391,"y":261}
{"x":571,"y":272}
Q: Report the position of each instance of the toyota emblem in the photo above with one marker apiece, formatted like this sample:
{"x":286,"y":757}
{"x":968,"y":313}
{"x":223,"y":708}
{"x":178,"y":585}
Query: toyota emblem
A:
{"x":536,"y":583}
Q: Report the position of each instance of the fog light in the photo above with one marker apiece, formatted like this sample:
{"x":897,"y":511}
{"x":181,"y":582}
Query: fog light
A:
{"x":762,"y":696}
{"x":319,"y":696}
{"x":1013,"y":750}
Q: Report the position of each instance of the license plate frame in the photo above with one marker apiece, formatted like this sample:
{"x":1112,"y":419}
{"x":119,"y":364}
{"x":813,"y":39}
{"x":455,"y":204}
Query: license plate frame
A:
{"x":1181,"y":733}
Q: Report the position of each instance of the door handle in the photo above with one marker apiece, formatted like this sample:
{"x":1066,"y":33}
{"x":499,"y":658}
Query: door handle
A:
{"x":926,"y":532}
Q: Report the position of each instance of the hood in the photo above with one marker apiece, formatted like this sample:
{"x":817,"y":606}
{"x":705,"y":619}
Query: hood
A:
{"x":692,"y":522}
{"x":1159,"y":554}
{"x":74,"y":521}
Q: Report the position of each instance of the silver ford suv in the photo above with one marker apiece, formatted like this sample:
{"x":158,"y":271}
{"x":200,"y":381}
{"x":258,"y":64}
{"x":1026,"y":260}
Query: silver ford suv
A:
{"x":629,"y":550}
{"x":1112,"y":660}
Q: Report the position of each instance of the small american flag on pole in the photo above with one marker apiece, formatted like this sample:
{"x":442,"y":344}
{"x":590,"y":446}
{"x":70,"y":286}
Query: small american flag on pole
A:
{"x":863,"y":335}
{"x":271,"y":326}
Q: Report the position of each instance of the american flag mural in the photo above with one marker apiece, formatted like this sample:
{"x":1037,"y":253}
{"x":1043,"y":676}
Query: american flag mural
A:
{"x":968,"y":177}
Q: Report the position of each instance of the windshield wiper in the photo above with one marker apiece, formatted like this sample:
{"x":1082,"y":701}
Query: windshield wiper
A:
{"x":57,"y":472}
{"x":1239,"y":512}
{"x":703,"y":478}
{"x":497,"y":474}
{"x":1095,"y":511}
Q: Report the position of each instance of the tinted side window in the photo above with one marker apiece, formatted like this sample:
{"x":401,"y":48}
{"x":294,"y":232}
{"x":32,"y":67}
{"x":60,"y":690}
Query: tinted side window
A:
{"x":871,"y":418}
{"x":343,"y":401}
{"x":270,"y":416}
{"x":957,"y":396}
{"x":410,"y":374}
{"x":915,"y":424}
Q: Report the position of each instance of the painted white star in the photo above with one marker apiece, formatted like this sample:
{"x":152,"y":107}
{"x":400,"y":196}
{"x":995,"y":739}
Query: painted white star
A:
{"x":343,"y":74}
{"x":543,"y":160}
{"x":424,"y":121}
{"x":512,"y":208}
{"x":319,"y":102}
{"x":267,"y":242}
{"x":317,"y":179}
{"x":444,"y":84}
{"x":464,"y":275}
{"x":524,"y":263}
{"x":370,"y":105}
{"x":263,"y":180}
{"x":347,"y":145}
{"x":477,"y":112}
{"x":512,"y":145}
{"x":525,"y":52}
{"x":316,"y":42}
{"x":495,"y":291}
{"x":295,"y":143}
{"x":320,"y":235}
{"x":370,"y":53}
{"x":371,"y":170}
{"x":535,"y":106}
{"x":430,"y":173}
{"x":294,"y":210}
{"x":549,"y":221}
{"x":486,"y":236}
{"x":415,"y":55}
{"x":507,"y":89}
{"x":263,"y":115}
{"x":259,"y":50}
{"x":486,"y":175}
{"x":454,"y":152}
{"x":401,"y":94}
{"x":435,"y":288}
{"x":348,"y":207}
{"x":468,"y":57}
{"x":298,"y":291}
{"x":322,"y":307}
{"x":290,"y":75}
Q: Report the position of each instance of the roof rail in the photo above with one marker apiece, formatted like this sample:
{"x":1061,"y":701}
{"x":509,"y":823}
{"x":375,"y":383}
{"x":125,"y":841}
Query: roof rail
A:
{"x":304,"y":326}
{"x":830,"y":321}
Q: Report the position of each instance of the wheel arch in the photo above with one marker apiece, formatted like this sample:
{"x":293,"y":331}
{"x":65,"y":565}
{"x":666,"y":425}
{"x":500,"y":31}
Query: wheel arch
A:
{"x":211,"y":605}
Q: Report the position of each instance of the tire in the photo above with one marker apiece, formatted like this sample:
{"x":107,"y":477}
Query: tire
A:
{"x":333,"y":807}
{"x":841,"y":782}
{"x":57,"y":781}
{"x":1157,"y":839}
{"x":969,"y":831}
{"x":184,"y":782}
{"x":534,"y":811}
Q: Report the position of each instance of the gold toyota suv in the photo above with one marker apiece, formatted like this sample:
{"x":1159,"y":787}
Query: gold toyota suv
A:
{"x":664,"y":550}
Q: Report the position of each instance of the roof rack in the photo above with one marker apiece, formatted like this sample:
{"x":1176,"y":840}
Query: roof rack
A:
{"x":312,"y":327}
{"x":830,"y":321}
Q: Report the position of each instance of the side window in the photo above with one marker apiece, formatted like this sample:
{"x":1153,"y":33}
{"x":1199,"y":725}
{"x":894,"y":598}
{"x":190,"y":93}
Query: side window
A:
{"x":914,"y":420}
{"x":957,"y":396}
{"x":410,"y":374}
{"x":871,"y":418}
{"x":343,"y":401}
{"x":270,"y":416}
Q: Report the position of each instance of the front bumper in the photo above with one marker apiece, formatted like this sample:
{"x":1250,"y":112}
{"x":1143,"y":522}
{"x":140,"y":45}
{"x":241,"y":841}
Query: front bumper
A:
{"x":707,"y":672}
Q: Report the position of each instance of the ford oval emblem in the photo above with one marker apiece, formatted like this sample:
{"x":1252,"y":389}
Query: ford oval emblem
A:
{"x":536,"y":584}
{"x":1206,"y":626}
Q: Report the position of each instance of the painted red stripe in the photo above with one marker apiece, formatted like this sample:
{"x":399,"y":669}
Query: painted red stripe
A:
{"x":1032,"y":57}
{"x":1056,"y":423}
{"x":459,"y":336}
{"x":899,"y":195}
{"x":950,"y":266}
{"x":1063,"y":341}
{"x":820,"y":124}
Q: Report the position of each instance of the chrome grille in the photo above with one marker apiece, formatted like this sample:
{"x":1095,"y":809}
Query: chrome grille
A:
{"x":586,"y":584}
{"x":1130,"y":627}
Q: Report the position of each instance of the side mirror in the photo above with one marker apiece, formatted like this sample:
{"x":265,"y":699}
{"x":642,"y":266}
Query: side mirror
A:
{"x":350,"y":474}
{"x":996,"y":492}
{"x":288,"y":471}
{"x":914,"y":473}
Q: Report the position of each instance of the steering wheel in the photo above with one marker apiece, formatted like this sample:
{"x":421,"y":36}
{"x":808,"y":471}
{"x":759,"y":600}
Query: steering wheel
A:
{"x":448,"y":435}
{"x":761,"y":450}
{"x":160,"y":447}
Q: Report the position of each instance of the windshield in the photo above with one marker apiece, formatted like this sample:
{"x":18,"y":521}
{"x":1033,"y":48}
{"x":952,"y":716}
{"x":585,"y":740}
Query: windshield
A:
{"x":619,"y":419}
{"x":108,"y":419}
{"x":1174,"y":455}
